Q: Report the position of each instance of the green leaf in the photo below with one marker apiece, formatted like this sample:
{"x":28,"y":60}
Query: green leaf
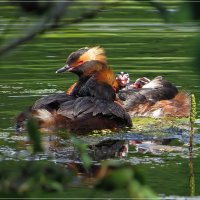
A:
{"x":116,"y":179}
{"x":34,"y":135}
{"x":137,"y":190}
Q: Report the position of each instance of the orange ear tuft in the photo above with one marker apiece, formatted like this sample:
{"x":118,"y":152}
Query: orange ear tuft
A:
{"x":94,"y":53}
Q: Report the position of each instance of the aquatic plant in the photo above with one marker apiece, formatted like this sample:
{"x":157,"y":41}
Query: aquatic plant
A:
{"x":193,"y":113}
{"x":34,"y":135}
{"x":192,"y":126}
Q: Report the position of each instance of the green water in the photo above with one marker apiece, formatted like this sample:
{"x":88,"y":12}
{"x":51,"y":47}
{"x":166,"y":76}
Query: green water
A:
{"x":135,"y":40}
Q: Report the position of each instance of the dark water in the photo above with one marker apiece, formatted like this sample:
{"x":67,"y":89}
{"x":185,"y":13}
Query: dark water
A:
{"x":135,"y":40}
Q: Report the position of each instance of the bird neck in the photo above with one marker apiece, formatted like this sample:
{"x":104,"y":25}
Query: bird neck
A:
{"x":81,"y":82}
{"x":107,"y":76}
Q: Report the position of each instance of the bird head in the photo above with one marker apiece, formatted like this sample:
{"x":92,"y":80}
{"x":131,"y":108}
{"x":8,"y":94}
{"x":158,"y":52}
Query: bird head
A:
{"x":85,"y":61}
{"x":140,"y":82}
{"x":123,"y":79}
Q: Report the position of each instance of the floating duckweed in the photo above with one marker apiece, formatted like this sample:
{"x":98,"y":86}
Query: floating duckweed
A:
{"x":101,"y":132}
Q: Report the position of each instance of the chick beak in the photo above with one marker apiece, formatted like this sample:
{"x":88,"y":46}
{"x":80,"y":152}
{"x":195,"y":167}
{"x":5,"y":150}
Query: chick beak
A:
{"x":63,"y":69}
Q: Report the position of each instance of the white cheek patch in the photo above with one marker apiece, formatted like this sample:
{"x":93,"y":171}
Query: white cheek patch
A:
{"x":120,"y":77}
{"x":128,"y":80}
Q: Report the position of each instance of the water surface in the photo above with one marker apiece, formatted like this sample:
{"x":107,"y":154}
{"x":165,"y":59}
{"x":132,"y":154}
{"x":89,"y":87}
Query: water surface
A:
{"x":135,"y":40}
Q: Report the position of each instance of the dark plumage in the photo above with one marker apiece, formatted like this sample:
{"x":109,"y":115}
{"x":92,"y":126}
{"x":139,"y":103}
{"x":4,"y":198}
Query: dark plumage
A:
{"x":51,"y":102}
{"x":80,"y":114}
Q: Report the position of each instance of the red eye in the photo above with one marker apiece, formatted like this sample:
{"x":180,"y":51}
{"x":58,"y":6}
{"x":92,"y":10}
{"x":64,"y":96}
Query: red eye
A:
{"x":79,"y":62}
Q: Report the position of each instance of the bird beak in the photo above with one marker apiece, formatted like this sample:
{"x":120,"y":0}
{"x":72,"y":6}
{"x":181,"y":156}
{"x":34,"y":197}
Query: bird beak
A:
{"x":63,"y":69}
